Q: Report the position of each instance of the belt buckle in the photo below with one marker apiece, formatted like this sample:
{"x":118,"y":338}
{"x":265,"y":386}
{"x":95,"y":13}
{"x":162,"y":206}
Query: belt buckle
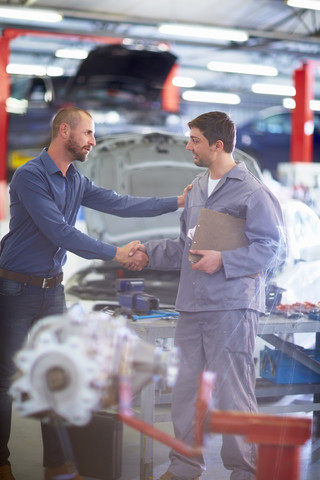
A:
{"x":45,"y":282}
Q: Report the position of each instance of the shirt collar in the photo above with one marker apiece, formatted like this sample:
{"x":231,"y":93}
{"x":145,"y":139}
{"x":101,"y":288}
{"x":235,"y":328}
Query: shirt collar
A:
{"x":238,"y":171}
{"x":51,"y":167}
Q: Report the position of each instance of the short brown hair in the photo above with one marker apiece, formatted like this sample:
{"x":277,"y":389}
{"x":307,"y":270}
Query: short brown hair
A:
{"x":70,"y":115}
{"x":216,"y":126}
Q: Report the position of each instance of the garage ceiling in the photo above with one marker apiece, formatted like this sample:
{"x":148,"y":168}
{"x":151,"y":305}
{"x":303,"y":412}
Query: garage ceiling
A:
{"x":278,"y":35}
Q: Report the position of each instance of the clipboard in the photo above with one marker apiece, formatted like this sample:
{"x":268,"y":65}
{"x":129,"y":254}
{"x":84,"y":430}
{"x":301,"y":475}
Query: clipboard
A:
{"x":218,"y":231}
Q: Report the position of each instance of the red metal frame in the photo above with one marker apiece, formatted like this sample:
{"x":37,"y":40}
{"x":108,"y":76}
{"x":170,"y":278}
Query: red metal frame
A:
{"x":170,"y":95}
{"x":278,"y":438}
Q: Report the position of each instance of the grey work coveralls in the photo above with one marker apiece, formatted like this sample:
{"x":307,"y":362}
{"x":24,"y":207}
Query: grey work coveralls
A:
{"x":219,"y":313}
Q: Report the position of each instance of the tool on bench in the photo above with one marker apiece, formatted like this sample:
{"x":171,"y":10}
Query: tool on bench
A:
{"x":134,"y":301}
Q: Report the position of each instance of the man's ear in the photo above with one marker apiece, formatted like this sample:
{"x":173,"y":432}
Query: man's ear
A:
{"x":219,"y":145}
{"x":64,"y":130}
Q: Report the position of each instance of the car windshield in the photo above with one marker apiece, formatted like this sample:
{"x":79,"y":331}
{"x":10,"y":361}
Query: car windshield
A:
{"x":276,"y":124}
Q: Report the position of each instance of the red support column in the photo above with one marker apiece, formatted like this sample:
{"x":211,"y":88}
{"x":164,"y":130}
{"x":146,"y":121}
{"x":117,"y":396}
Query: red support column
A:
{"x":4,"y":120}
{"x":170,"y":93}
{"x":301,"y":148}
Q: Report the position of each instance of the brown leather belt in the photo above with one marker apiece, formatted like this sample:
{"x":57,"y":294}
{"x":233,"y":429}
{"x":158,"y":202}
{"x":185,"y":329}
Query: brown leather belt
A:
{"x":48,"y":282}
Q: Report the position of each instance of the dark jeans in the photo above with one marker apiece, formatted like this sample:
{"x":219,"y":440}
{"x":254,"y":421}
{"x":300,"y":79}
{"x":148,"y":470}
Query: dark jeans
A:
{"x":20,"y":307}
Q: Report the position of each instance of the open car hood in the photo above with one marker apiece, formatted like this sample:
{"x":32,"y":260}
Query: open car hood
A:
{"x":119,"y":68}
{"x":155,"y":164}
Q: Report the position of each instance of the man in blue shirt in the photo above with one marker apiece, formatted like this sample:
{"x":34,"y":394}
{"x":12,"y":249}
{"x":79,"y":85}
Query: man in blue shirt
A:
{"x":45,"y":196}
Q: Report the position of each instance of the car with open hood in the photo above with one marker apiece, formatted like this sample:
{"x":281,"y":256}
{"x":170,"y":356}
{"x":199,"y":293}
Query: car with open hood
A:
{"x":122,"y":86}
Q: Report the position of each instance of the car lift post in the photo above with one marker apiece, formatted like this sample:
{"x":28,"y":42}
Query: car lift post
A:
{"x":4,"y":120}
{"x":302,"y":117}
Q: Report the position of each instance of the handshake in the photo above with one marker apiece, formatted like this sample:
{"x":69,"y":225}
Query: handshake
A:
{"x":132,"y":256}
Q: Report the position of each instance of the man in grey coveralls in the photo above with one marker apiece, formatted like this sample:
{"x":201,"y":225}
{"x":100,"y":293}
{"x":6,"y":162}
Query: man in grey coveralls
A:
{"x":221,"y":296}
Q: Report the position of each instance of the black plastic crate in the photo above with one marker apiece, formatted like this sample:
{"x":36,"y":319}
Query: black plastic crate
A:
{"x":97,"y":447}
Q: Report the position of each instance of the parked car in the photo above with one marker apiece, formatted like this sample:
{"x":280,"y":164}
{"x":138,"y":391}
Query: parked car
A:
{"x":121,"y":87}
{"x":267,"y":138}
{"x":300,"y":274}
{"x":32,"y":103}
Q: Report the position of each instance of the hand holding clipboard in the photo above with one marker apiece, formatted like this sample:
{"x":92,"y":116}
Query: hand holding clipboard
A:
{"x":218,"y":231}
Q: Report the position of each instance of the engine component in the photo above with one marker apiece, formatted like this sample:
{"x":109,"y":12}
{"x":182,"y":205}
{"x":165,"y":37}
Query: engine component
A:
{"x":72,"y":364}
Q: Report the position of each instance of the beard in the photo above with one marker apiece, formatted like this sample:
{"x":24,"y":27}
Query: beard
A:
{"x":78,"y":153}
{"x":197,"y":161}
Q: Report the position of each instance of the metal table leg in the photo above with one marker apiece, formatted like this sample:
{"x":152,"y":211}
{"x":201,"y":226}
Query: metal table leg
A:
{"x":146,"y":442}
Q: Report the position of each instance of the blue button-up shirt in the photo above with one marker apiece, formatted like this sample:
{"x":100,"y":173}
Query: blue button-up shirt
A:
{"x":43,"y":210}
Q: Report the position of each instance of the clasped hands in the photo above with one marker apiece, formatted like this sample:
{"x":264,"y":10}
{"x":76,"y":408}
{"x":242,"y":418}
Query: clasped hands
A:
{"x":133,"y":256}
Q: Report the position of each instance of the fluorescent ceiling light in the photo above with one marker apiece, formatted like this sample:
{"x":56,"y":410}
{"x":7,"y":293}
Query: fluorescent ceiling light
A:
{"x":211,"y":97}
{"x":54,"y":71}
{"x":245,"y":68}
{"x":309,"y":4}
{"x":315,"y":105}
{"x":77,"y":53}
{"x":184,"y":82}
{"x":270,"y":89}
{"x":39,"y":70}
{"x":290,"y":103}
{"x":30,"y":14}
{"x":213,"y":33}
{"x":14,"y":105}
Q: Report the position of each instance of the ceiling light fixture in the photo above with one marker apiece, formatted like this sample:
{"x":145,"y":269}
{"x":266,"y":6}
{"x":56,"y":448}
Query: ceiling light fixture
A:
{"x":211,"y":97}
{"x":273,"y":89}
{"x":76,"y":53}
{"x":315,"y":105}
{"x":290,"y":103}
{"x":39,"y":70}
{"x":243,"y":68}
{"x":30,"y":14}
{"x":309,"y":4}
{"x":184,"y":82}
{"x":213,"y":33}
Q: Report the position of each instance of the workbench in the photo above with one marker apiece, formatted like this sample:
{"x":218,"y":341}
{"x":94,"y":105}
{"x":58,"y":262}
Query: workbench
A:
{"x":270,"y":327}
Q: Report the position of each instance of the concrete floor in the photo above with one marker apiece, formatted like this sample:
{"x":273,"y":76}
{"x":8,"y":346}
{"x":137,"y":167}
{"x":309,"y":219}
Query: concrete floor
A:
{"x":26,"y":454}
